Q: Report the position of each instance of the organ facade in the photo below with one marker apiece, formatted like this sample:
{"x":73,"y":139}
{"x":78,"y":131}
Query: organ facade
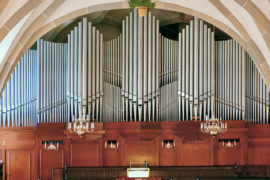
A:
{"x":139,"y":76}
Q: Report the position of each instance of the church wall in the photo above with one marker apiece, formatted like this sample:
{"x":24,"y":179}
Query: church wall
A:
{"x":24,"y":156}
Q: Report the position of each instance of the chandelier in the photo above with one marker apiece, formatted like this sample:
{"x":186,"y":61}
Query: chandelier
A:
{"x":229,"y":143}
{"x":51,"y":145}
{"x":213,"y":126}
{"x":81,"y":125}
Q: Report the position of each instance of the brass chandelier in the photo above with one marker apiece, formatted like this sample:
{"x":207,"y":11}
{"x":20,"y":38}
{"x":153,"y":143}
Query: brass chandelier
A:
{"x":82,"y":124}
{"x":213,"y":126}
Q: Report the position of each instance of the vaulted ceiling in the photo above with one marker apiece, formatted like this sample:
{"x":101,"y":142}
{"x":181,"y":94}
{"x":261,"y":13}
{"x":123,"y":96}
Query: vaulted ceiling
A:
{"x":23,"y":22}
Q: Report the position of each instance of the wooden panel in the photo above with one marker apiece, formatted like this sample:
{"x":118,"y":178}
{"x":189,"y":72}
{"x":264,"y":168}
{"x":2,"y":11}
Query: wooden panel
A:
{"x":18,"y":164}
{"x":139,"y":151}
{"x":227,"y":156}
{"x":168,"y":157}
{"x":137,"y":143}
{"x":58,"y":174}
{"x":111,"y":157}
{"x":50,"y":159}
{"x":259,"y":155}
{"x":85,"y":154}
{"x":195,"y":154}
{"x":15,"y":138}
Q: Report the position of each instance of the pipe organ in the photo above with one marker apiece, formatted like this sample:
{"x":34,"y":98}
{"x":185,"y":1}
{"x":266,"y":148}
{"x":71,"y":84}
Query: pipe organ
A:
{"x":134,"y":56}
{"x":85,"y":71}
{"x":51,"y":79}
{"x":257,"y":95}
{"x":241,"y":92}
{"x":18,"y":101}
{"x":195,"y":71}
{"x":168,"y":79}
{"x":138,"y":76}
{"x":112,"y":80}
{"x":230,"y":84}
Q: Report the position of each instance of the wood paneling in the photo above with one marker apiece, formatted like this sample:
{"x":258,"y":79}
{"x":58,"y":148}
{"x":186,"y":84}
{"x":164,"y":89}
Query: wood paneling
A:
{"x":58,"y":174}
{"x":85,"y":154}
{"x":111,"y":157}
{"x":196,"y":154}
{"x":227,"y":156}
{"x":19,"y":164}
{"x":259,"y":155}
{"x":140,"y":151}
{"x":168,"y":157}
{"x":50,"y":159}
{"x":21,"y":148}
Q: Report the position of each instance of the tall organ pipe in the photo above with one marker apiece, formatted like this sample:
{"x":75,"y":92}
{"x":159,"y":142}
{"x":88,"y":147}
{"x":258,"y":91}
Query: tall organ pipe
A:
{"x":85,"y":80}
{"x":19,"y":102}
{"x":51,"y":95}
{"x":138,"y":76}
{"x":241,"y":89}
{"x":140,"y":51}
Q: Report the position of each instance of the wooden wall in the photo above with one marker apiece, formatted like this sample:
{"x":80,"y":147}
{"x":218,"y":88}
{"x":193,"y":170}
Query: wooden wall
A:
{"x":24,"y":157}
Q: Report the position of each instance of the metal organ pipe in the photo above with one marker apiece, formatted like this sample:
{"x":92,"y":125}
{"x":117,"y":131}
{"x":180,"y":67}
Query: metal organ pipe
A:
{"x":139,"y":73}
{"x":195,"y":80}
{"x":51,"y":94}
{"x":246,"y":94}
{"x":138,"y":76}
{"x":18,"y":104}
{"x":257,"y":94}
{"x":86,"y":71}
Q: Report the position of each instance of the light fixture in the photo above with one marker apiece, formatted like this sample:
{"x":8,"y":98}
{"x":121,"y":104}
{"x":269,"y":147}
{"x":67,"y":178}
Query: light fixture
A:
{"x":112,"y":144}
{"x":213,"y":126}
{"x":168,"y":144}
{"x":51,"y":145}
{"x":229,"y":143}
{"x":81,"y":125}
{"x":138,"y":172}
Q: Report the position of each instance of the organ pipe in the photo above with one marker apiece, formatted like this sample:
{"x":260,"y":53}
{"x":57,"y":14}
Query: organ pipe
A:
{"x":194,"y":81}
{"x":140,"y":75}
{"x":257,"y":94}
{"x":245,"y":94}
{"x":51,"y":59}
{"x":85,"y":64}
{"x":18,"y":104}
{"x":139,"y":88}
